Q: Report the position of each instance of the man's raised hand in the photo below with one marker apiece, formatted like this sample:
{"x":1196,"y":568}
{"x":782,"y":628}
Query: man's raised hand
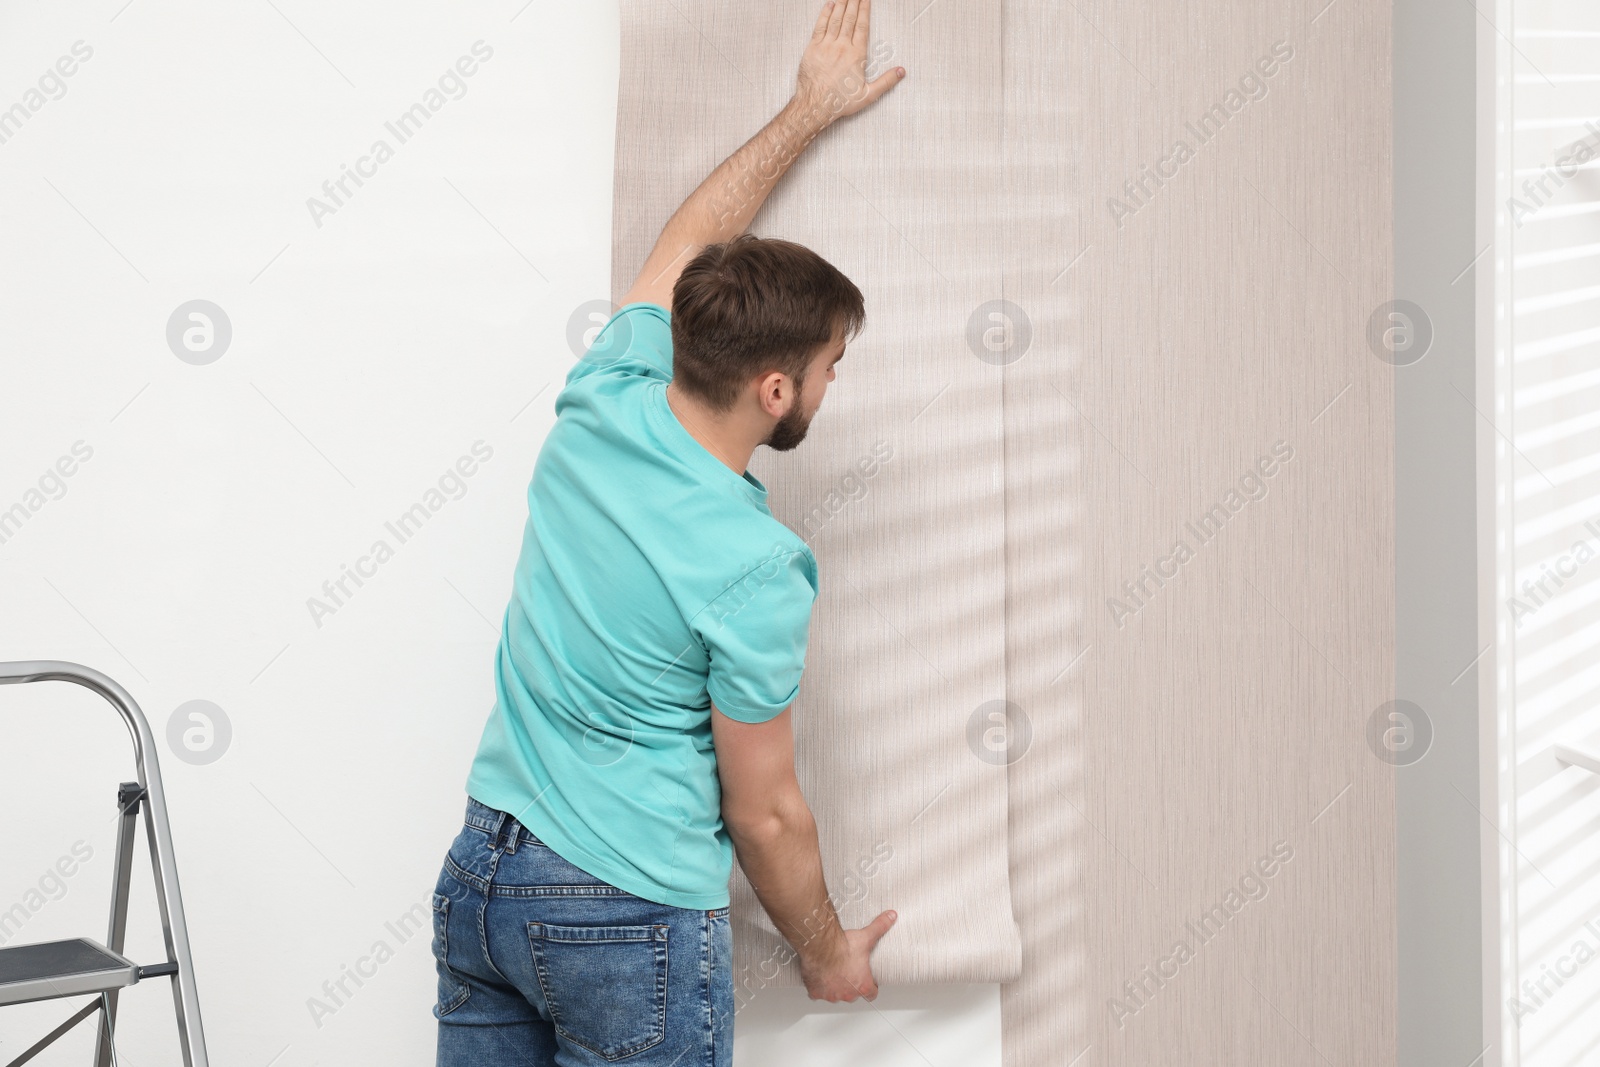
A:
{"x":832,"y":82}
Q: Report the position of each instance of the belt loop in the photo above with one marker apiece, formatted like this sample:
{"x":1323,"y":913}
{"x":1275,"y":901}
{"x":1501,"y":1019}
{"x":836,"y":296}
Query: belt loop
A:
{"x":513,"y":835}
{"x":500,"y":818}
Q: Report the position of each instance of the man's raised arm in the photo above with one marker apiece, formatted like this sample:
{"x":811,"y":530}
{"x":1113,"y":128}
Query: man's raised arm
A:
{"x":831,"y":85}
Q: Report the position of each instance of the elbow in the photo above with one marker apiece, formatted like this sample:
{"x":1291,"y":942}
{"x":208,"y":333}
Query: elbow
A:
{"x":774,"y":819}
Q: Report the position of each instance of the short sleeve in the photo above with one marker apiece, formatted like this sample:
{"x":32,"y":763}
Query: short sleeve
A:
{"x":755,"y":634}
{"x":636,"y":340}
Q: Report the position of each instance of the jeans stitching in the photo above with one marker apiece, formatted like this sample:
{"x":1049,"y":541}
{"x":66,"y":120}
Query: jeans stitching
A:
{"x":441,"y":907}
{"x":465,"y":877}
{"x":663,"y":1011}
{"x":659,"y":942}
{"x":559,"y":891}
{"x":545,"y":985}
{"x":483,"y":917}
{"x":705,"y":987}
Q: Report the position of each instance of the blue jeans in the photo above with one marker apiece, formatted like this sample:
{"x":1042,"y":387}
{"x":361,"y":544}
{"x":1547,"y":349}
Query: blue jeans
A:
{"x":544,"y":965}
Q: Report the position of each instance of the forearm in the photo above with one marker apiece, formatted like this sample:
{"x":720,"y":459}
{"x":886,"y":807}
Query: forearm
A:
{"x":723,"y":204}
{"x":783,"y":862}
{"x":831,"y":84}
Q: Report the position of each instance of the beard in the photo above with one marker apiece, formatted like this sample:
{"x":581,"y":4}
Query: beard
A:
{"x":790,"y":430}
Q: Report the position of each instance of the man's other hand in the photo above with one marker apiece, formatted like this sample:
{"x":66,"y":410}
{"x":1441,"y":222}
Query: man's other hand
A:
{"x":846,"y":973}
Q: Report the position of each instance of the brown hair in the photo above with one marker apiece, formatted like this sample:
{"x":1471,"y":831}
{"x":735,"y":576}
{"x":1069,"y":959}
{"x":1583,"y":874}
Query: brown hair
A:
{"x":752,"y":305}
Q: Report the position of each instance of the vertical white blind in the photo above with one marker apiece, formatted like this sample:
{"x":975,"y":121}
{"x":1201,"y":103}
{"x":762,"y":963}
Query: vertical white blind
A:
{"x":1553,"y":608}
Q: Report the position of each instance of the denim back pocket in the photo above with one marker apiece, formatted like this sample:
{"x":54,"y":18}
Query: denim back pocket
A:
{"x":452,"y":990}
{"x":605,"y":986}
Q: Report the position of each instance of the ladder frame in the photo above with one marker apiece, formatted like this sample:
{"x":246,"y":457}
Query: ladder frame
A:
{"x":149,"y":794}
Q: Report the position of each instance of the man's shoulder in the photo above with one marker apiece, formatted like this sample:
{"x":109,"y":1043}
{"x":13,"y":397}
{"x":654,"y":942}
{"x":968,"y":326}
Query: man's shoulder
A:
{"x":765,"y":553}
{"x":634,"y":345}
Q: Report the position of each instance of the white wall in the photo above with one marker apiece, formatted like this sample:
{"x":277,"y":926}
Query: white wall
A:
{"x":370,"y":349}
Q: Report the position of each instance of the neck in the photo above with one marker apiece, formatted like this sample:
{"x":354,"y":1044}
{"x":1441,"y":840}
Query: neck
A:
{"x":725,"y":434}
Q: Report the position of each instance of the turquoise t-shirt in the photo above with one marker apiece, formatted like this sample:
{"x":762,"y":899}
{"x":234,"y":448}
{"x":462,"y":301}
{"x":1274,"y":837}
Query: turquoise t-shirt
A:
{"x":653,"y":580}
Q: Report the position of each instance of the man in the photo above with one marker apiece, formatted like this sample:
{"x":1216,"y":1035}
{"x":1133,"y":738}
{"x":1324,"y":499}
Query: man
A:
{"x":654,"y":641}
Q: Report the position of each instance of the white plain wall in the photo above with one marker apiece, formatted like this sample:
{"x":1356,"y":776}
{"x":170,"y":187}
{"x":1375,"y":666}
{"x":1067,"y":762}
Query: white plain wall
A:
{"x":368,"y":354}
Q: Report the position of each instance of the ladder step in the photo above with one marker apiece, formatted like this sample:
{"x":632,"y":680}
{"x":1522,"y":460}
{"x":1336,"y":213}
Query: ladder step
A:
{"x":53,"y":969}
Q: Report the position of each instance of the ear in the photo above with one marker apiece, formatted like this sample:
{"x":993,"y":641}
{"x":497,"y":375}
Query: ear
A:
{"x":775,"y":392}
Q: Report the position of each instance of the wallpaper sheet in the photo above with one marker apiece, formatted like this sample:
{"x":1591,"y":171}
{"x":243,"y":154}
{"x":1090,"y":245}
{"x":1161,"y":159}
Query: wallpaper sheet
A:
{"x":899,"y":488}
{"x":1099,"y":648}
{"x":1200,"y":524}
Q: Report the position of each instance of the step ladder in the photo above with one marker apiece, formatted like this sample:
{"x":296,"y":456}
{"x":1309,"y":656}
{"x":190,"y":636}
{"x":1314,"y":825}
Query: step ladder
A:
{"x":80,"y":966}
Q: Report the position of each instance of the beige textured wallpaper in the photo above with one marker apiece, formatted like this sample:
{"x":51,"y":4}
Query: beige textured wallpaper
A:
{"x":898,"y":489}
{"x":1199,"y":713}
{"x":1148,"y":501}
